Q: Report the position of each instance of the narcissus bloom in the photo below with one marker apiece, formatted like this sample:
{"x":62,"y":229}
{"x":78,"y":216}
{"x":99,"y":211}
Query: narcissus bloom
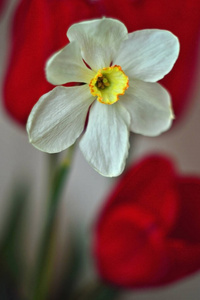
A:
{"x":117,"y":73}
{"x":148,"y":232}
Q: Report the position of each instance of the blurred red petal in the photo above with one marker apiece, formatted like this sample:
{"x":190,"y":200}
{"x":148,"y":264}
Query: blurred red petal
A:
{"x":31,"y":45}
{"x":139,"y":261}
{"x":148,"y":233}
{"x":182,"y":258}
{"x":149,"y":184}
{"x":188,"y":219}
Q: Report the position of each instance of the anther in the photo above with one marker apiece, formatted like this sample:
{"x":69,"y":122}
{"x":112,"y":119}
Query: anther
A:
{"x":102,"y":82}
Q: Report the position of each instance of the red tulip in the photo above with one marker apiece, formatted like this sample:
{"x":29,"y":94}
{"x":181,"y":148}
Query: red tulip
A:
{"x":39,"y":29}
{"x":148,"y":233}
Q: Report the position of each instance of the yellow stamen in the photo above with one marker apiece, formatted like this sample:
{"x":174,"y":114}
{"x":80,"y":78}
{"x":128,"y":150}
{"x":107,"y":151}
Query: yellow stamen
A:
{"x":108,"y":84}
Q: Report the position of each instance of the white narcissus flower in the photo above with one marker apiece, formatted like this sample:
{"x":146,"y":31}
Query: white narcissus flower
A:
{"x":119,"y":72}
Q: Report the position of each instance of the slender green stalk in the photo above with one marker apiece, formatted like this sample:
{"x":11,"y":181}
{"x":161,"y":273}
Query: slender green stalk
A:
{"x":52,"y":167}
{"x":12,"y":265}
{"x":44,"y":265}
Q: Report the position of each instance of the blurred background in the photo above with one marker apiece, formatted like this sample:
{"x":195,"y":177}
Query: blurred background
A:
{"x":22,"y":164}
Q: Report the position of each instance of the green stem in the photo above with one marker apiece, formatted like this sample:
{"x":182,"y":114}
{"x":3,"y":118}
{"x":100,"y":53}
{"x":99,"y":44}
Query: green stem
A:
{"x":44,"y":266}
{"x":52,"y":166}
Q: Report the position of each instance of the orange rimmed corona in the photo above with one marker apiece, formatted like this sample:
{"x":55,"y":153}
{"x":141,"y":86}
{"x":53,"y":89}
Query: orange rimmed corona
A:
{"x":108,"y":84}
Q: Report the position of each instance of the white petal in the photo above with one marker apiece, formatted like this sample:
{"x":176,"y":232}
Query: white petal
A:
{"x":99,"y":40}
{"x":67,"y":65}
{"x":58,"y":118}
{"x":105,"y":143}
{"x":148,"y":54}
{"x":149,"y":106}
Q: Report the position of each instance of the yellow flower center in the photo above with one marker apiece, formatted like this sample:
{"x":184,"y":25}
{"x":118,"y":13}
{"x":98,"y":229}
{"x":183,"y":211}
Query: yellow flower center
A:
{"x":108,"y":84}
